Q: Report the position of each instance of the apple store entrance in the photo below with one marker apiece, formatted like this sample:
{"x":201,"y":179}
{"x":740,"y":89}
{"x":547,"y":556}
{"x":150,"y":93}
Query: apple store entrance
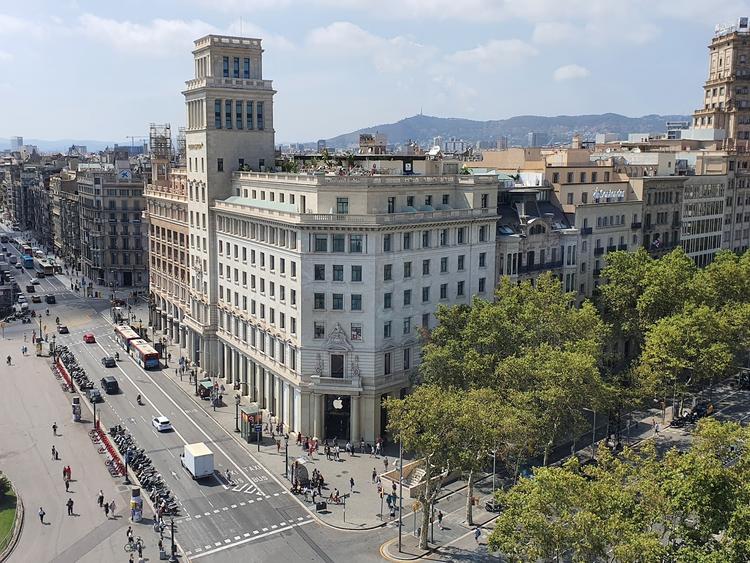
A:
{"x":337,"y":417}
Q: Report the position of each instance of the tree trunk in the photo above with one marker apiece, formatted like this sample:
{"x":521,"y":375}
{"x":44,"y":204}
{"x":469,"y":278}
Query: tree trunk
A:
{"x":469,"y":499}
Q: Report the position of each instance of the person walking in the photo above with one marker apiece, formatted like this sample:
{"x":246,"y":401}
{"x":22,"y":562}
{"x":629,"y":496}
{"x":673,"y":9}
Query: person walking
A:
{"x":112,"y":507}
{"x":385,"y":462}
{"x":477,"y":534}
{"x":54,"y":453}
{"x":351,"y":484}
{"x":374,"y":475}
{"x":67,"y":485}
{"x":440,"y":519}
{"x":100,"y":499}
{"x":129,"y":535}
{"x":106,"y":510}
{"x":41,"y":514}
{"x":69,"y":504}
{"x":54,"y":428}
{"x":69,"y":472}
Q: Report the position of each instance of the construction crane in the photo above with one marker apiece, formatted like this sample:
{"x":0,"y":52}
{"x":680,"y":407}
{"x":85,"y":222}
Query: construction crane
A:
{"x":134,"y":137}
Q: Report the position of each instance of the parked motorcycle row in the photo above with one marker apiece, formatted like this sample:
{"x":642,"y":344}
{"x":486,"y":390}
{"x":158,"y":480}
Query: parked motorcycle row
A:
{"x":76,"y":372}
{"x":148,"y":476}
{"x":692,"y":416}
{"x":23,"y":316}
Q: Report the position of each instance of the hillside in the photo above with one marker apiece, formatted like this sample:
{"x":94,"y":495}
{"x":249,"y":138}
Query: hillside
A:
{"x":558,"y":129}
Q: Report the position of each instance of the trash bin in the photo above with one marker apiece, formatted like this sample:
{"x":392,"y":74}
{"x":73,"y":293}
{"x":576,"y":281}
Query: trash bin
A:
{"x":320,"y":506}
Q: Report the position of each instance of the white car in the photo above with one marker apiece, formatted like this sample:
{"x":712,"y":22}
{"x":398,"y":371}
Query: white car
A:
{"x":22,"y":299}
{"x":35,"y":281}
{"x":161,"y":423}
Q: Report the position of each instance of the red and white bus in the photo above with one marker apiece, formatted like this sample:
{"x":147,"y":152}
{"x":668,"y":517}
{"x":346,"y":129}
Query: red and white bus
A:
{"x":144,"y":355}
{"x":124,"y":335}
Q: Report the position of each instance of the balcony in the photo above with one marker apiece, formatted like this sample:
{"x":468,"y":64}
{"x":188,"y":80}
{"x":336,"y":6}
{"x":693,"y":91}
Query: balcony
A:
{"x":540,"y":267}
{"x":611,"y":248}
{"x":598,"y":251}
{"x":636,"y":225}
{"x":587,"y":230}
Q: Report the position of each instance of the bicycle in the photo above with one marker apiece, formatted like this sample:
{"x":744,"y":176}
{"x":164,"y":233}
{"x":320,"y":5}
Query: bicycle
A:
{"x":132,"y":545}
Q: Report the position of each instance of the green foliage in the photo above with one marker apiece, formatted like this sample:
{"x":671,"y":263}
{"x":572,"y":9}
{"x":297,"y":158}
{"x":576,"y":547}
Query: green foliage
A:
{"x":4,"y":485}
{"x":637,"y":507}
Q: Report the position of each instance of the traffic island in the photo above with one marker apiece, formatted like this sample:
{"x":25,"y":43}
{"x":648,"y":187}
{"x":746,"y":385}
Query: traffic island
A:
{"x":11,"y":519}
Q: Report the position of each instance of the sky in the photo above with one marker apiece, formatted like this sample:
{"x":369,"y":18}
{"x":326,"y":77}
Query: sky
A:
{"x":104,"y":70}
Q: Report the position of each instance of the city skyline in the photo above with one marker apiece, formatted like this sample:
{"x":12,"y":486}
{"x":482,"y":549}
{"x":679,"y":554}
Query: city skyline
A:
{"x":340,"y":69}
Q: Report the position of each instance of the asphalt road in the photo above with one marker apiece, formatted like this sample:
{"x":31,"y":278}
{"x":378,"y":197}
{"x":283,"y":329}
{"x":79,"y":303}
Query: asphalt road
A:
{"x":253,"y":518}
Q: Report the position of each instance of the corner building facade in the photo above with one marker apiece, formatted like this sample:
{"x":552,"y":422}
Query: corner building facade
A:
{"x":308,"y":292}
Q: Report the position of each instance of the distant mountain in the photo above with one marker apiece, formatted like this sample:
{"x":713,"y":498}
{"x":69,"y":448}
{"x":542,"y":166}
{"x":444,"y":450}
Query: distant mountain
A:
{"x":62,"y":145}
{"x":558,"y":129}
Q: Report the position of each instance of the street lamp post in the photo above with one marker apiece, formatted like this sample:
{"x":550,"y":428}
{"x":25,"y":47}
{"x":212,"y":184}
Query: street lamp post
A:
{"x":94,"y":403}
{"x":400,"y":489}
{"x":127,"y":477}
{"x":237,"y":400}
{"x":173,"y":548}
{"x":164,"y":351}
{"x":195,"y":379}
{"x":286,"y":455}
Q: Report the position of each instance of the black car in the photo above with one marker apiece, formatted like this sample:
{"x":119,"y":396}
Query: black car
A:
{"x":30,"y":289}
{"x":95,"y":396}
{"x":492,"y":505}
{"x":50,"y":299}
{"x":110,"y":385}
{"x":108,"y":362}
{"x":62,"y":329}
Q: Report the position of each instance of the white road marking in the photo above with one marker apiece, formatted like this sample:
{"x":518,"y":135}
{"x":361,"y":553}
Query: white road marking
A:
{"x":253,"y":538}
{"x":236,"y":538}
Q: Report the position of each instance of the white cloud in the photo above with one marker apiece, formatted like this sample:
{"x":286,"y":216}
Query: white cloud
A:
{"x":494,"y":53}
{"x":570,"y":72}
{"x":393,"y":54}
{"x":5,"y":56}
{"x":158,"y":37}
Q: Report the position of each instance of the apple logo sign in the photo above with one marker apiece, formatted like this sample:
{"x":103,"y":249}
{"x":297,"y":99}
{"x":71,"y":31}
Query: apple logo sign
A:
{"x":338,"y":404}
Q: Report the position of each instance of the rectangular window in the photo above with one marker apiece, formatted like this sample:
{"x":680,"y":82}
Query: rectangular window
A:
{"x":339,"y":243}
{"x":485,"y":199}
{"x":461,"y":263}
{"x":356,"y":302}
{"x":482,"y":259}
{"x":570,"y":199}
{"x":319,"y":301}
{"x":342,"y":205}
{"x":425,"y":239}
{"x":249,"y":114}
{"x":338,"y":301}
{"x":391,"y":205}
{"x":217,"y":114}
{"x":407,"y":297}
{"x":425,"y":320}
{"x":387,"y":272}
{"x":220,"y":165}
{"x":460,"y":235}
{"x":387,"y":329}
{"x":425,"y":294}
{"x":460,"y":288}
{"x":236,"y":67}
{"x":407,"y":325}
{"x":444,"y":237}
{"x":338,"y":272}
{"x":259,"y":114}
{"x":425,"y":267}
{"x":443,"y":291}
{"x":387,"y":300}
{"x":356,"y":332}
{"x":407,"y":270}
{"x":319,"y":330}
{"x":355,"y":243}
{"x":337,"y":365}
{"x":321,"y":243}
{"x":386,"y":243}
{"x":443,"y":264}
{"x":228,"y":114}
{"x":320,"y":272}
{"x":356,"y":273}
{"x":407,"y":358}
{"x":483,"y":233}
{"x":481,"y":285}
{"x":387,"y":363}
{"x":225,"y":67}
{"x":446,"y":199}
{"x":407,"y":241}
{"x":246,"y":68}
{"x":238,"y":113}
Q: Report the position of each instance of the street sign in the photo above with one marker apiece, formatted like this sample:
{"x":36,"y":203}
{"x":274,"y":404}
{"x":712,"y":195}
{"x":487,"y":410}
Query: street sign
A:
{"x":258,"y":428}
